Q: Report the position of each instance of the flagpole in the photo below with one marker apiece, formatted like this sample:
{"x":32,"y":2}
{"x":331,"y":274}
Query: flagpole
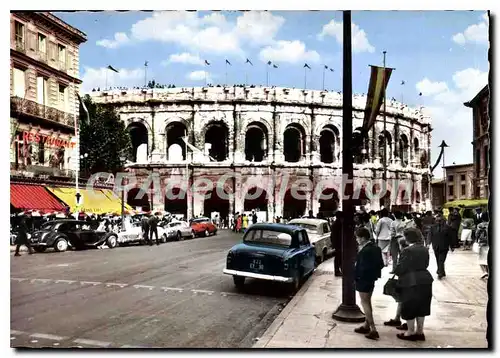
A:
{"x":226,"y":73}
{"x":205,"y":74}
{"x":385,"y":128}
{"x":267,"y":76}
{"x":323,"y":78}
{"x":145,"y":74}
{"x":105,"y":87}
{"x":305,"y":77}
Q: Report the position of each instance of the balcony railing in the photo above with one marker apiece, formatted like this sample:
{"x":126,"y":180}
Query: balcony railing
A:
{"x":39,"y":170}
{"x":28,"y":107}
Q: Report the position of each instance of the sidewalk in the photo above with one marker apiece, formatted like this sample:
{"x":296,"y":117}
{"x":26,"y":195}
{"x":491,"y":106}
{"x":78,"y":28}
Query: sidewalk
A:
{"x":457,"y":320}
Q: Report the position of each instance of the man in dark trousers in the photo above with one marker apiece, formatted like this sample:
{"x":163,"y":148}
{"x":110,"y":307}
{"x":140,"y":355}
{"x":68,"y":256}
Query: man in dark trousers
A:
{"x":427,"y":223}
{"x":454,"y":221}
{"x":153,"y":229}
{"x":22,"y":237}
{"x":254,"y":217}
{"x":145,"y":228}
{"x":336,"y":240}
{"x":441,"y":240}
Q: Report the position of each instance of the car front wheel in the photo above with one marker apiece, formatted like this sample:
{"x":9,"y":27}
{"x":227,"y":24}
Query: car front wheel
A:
{"x":112,"y":242}
{"x":206,"y":233}
{"x":61,"y":245}
{"x":239,"y":282}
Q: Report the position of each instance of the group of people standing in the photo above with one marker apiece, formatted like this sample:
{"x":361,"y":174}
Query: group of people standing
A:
{"x":240,"y":222}
{"x":403,"y":239}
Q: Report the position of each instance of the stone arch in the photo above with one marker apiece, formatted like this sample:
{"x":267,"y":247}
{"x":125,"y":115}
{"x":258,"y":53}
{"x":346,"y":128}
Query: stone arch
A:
{"x":256,"y":142}
{"x":175,"y":145}
{"x":385,"y":145}
{"x":328,"y":206}
{"x":294,"y":207}
{"x":329,"y":143}
{"x":216,"y":136}
{"x":404,"y":148}
{"x":416,"y":149}
{"x":294,"y":143}
{"x":360,"y":139}
{"x":139,"y":137}
{"x":176,"y":201}
{"x":137,"y":198}
{"x":256,"y":199}
{"x":213,"y":202}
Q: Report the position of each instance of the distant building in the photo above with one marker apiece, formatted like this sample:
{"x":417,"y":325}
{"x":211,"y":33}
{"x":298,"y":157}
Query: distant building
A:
{"x":481,"y":141}
{"x":459,"y":181}
{"x":437,"y":187}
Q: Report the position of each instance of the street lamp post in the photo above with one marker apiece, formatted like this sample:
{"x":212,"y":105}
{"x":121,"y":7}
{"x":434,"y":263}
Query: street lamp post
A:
{"x":84,"y":158}
{"x":122,"y":184}
{"x":348,"y":310}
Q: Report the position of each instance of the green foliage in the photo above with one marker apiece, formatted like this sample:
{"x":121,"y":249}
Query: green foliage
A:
{"x":104,"y":138}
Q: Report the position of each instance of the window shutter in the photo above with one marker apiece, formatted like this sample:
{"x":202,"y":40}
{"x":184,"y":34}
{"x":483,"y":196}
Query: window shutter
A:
{"x":52,"y":51}
{"x":69,"y":61}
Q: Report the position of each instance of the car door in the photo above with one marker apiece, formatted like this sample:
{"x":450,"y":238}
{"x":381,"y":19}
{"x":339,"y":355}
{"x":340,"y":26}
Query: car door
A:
{"x":308,"y":253}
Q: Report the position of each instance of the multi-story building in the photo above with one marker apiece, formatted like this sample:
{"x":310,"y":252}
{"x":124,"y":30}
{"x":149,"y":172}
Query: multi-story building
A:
{"x":437,"y":190}
{"x":259,"y":136}
{"x":481,"y":141}
{"x":459,"y":181}
{"x":44,"y":155}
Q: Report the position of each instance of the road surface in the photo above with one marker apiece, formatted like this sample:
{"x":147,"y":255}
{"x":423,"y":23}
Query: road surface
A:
{"x":169,"y":296}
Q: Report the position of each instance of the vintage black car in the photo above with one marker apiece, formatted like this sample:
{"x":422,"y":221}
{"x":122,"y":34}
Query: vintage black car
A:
{"x":61,"y":234}
{"x":273,"y":252}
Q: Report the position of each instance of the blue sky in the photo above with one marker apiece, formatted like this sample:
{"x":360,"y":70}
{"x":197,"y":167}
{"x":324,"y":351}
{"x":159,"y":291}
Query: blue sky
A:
{"x":442,"y":54}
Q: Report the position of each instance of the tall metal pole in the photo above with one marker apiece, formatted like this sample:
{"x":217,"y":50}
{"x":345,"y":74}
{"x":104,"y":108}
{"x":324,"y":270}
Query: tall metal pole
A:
{"x":226,"y":75}
{"x":123,"y":205}
{"x":267,"y":76}
{"x":385,"y":138}
{"x":348,"y":311}
{"x":305,"y":77}
{"x":145,"y":74}
{"x":323,"y":77}
{"x":444,"y":182}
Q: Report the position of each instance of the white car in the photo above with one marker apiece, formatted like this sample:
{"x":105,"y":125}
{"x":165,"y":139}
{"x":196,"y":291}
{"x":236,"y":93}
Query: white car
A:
{"x":133,"y":234}
{"x":178,"y":230}
{"x":318,"y":231}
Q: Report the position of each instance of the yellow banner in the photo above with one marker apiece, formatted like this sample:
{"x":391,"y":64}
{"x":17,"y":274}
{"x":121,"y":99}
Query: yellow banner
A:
{"x":98,"y":201}
{"x":376,"y":89}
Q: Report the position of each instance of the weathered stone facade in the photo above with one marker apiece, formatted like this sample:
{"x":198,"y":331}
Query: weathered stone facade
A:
{"x":262,"y":135}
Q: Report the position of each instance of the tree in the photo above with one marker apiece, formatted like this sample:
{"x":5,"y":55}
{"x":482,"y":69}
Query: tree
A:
{"x":104,"y":138}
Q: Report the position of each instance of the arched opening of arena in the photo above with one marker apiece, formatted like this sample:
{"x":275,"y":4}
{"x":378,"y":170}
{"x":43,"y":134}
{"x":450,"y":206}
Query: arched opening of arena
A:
{"x":255,"y":142}
{"x":416,"y":149}
{"x":138,"y":199}
{"x":328,"y":203}
{"x":293,"y":143}
{"x":360,"y":140}
{"x":294,"y":207}
{"x":176,"y":147}
{"x":404,"y":148}
{"x":176,"y":201}
{"x":328,"y":140}
{"x":139,"y":138}
{"x":385,"y":200}
{"x":385,"y":146}
{"x":217,"y":140}
{"x":216,"y":205}
{"x":256,"y":199}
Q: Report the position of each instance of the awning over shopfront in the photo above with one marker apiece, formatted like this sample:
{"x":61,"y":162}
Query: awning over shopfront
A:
{"x":97,"y":201}
{"x":33,"y":197}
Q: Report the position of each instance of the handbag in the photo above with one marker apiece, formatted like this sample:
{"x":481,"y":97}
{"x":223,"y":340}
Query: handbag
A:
{"x":391,"y":288}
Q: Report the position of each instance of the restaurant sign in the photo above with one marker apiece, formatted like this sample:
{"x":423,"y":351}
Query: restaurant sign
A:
{"x":29,"y":137}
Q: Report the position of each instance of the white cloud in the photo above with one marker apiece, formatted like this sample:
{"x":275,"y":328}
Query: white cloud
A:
{"x":288,"y":51}
{"x":260,"y":27}
{"x":451,"y":120}
{"x":199,"y":76}
{"x":96,"y":77}
{"x":429,"y":88}
{"x":360,"y":41}
{"x":476,"y":33}
{"x":184,"y":57}
{"x":120,"y":38}
{"x":212,"y":33}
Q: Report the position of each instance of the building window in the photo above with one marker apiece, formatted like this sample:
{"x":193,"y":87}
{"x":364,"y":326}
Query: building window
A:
{"x":62,"y":57}
{"x":463,"y":190}
{"x":42,"y":44}
{"x":486,"y":164}
{"x":62,"y":97}
{"x":450,"y":178}
{"x":19,"y":77}
{"x":19,"y":29}
{"x":450,"y":190}
{"x":42,"y":90}
{"x":462,"y":177}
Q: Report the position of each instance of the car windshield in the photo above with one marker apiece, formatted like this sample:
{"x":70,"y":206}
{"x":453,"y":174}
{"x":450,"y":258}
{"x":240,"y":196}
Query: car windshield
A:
{"x":268,"y":237}
{"x":309,"y":227}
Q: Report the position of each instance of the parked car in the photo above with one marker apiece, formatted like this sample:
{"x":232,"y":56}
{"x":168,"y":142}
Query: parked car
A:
{"x":318,"y":231}
{"x":274,"y":252}
{"x":61,"y":234}
{"x":203,"y":227}
{"x":178,"y":230}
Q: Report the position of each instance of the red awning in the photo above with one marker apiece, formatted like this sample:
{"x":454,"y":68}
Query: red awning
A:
{"x":33,"y":197}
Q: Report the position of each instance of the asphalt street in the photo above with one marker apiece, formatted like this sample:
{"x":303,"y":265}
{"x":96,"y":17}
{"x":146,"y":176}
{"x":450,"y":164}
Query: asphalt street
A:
{"x":169,"y":296}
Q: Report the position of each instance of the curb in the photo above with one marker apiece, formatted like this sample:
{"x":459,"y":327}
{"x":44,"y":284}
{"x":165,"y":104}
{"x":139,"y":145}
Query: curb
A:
{"x":278,"y":322}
